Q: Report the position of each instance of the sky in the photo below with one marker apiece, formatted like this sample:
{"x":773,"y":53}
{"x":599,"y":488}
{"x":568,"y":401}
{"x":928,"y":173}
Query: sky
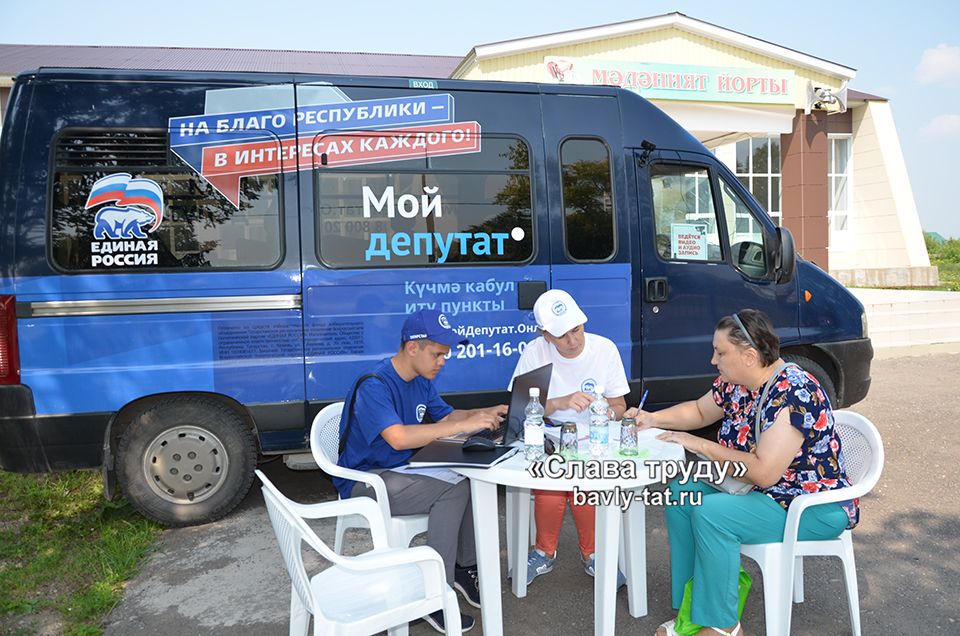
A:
{"x":908,"y":52}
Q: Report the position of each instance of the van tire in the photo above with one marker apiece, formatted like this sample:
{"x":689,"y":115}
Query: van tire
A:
{"x":186,"y":461}
{"x":814,"y":369}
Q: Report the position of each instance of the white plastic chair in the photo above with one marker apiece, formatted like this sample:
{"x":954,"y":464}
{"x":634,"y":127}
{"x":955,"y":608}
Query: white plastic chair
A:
{"x":379,"y":590}
{"x":782,"y":563}
{"x":325,"y":446}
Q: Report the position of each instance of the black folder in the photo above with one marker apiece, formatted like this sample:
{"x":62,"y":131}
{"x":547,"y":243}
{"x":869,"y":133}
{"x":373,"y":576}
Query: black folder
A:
{"x":445,"y":453}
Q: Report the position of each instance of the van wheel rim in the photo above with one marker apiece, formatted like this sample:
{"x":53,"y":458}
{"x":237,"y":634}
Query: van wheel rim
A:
{"x":185,"y":465}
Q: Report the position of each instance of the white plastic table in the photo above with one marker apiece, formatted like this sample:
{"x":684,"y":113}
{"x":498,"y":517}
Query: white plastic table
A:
{"x":513,"y":474}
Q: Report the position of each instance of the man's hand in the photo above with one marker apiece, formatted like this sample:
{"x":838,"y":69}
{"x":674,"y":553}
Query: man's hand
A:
{"x":489,"y":418}
{"x":402,"y":437}
{"x":474,"y":419}
{"x":578,"y":401}
{"x":500,"y":410}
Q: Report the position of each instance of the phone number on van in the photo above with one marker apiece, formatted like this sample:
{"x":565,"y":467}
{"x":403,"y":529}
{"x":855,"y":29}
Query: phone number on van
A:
{"x":497,"y":349}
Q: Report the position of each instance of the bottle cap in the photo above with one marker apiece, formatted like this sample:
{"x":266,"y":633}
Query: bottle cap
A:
{"x":598,"y":390}
{"x":534,"y":391}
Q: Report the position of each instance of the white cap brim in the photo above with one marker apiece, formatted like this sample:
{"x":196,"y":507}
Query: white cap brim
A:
{"x":559,"y":325}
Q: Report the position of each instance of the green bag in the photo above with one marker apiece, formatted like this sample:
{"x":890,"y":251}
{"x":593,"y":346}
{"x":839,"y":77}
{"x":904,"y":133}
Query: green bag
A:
{"x":686,"y":627}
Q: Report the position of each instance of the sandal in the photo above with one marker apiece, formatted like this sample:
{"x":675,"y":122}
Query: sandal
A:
{"x":733,"y":632}
{"x":668,"y":627}
{"x":670,"y":631}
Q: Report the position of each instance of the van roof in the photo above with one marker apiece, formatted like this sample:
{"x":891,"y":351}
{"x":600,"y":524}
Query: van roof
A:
{"x":259,"y":77}
{"x":657,"y":127}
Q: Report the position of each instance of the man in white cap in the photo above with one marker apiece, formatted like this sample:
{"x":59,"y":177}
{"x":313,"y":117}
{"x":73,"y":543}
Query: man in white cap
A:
{"x":581,"y":362}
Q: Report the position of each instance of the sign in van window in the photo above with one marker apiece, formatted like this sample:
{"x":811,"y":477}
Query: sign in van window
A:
{"x":105,"y":221}
{"x":688,"y":241}
{"x":428,"y":210}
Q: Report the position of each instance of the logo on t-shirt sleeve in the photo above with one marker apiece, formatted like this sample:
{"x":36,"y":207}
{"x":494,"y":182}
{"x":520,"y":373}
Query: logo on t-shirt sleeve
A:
{"x":421,"y":411}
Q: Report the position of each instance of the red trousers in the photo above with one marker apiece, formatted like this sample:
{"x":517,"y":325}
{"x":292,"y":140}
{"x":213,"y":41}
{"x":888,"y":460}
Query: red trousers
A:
{"x":548,"y":509}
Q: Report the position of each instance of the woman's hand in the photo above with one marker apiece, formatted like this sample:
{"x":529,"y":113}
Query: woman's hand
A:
{"x":690,"y":442}
{"x":644,"y":419}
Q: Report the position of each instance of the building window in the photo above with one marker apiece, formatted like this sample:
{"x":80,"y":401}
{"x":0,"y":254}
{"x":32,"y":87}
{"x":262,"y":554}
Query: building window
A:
{"x":758,"y":168}
{"x":838,"y":175}
{"x":587,"y":199}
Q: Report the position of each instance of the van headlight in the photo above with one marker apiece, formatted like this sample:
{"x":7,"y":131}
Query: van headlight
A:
{"x":863,"y":323}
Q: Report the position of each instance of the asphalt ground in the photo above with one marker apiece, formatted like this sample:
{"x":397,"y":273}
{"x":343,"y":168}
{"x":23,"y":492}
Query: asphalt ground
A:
{"x":228,"y":577}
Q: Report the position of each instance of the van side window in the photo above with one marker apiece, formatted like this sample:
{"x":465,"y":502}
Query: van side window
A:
{"x":464,"y":208}
{"x":684,"y":214}
{"x":587,"y":199}
{"x":744,"y":230}
{"x":121,"y":202}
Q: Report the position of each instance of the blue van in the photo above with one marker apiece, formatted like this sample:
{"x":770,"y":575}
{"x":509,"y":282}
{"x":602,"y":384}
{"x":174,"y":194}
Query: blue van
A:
{"x":193,"y":264}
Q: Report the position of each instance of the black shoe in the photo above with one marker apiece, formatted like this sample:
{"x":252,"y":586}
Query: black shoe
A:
{"x":466,"y":582}
{"x":435,"y":620}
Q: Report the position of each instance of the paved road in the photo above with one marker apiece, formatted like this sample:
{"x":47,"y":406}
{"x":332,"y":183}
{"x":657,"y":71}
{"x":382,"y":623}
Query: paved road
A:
{"x":228,"y":577}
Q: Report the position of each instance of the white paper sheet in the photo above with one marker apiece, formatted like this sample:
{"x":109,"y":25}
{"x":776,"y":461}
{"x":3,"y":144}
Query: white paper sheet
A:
{"x":443,"y":474}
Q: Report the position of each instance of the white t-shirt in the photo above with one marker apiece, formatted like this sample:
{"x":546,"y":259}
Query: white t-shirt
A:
{"x":598,"y":364}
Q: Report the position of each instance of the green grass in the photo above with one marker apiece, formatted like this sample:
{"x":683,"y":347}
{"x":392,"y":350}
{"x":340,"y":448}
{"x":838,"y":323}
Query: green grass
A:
{"x":946,"y":256}
{"x":65,"y":552}
{"x":949,"y":276}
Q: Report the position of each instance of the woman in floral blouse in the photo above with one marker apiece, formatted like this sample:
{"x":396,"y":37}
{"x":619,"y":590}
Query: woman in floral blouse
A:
{"x":797,"y":452}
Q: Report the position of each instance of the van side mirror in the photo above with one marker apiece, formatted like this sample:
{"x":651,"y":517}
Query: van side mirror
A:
{"x":786,"y":260}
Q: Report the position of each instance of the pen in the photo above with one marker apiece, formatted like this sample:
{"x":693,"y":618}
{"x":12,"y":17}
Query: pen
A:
{"x":643,"y":399}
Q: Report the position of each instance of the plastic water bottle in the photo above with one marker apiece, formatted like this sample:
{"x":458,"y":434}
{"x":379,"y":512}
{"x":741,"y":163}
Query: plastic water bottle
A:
{"x":533,"y":427}
{"x":599,"y":424}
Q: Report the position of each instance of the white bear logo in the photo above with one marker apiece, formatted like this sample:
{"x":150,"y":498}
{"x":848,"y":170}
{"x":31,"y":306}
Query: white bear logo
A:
{"x":121,"y":223}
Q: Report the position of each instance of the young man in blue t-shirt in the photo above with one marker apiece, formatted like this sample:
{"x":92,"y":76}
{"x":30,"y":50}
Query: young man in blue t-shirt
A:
{"x":386,"y":426}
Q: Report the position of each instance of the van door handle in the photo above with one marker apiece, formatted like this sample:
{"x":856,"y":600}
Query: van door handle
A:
{"x":656,"y":289}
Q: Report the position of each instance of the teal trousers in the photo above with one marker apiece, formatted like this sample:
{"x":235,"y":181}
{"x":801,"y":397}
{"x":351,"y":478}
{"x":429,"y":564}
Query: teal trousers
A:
{"x":705,"y":543}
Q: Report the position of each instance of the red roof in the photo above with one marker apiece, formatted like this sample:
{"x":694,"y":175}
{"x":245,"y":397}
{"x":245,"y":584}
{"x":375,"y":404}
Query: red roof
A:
{"x":16,"y":58}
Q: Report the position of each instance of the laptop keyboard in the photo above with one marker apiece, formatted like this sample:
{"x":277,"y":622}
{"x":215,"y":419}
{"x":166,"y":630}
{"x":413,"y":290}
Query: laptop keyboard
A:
{"x":495,"y":434}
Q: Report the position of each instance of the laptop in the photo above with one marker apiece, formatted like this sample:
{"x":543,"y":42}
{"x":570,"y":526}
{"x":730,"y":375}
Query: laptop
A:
{"x":512,"y":427}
